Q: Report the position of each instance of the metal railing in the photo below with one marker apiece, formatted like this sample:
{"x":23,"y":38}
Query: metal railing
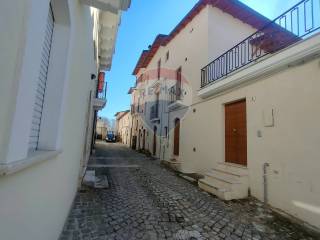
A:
{"x":102,"y":94}
{"x":296,"y":24}
{"x":175,"y":94}
{"x":154,"y":111}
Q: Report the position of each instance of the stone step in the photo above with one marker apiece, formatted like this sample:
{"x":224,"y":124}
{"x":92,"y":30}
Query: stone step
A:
{"x":219,"y":192}
{"x":224,"y":177}
{"x":233,"y":169}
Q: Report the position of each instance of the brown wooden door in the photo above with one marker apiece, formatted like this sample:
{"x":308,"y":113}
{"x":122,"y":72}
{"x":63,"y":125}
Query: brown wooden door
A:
{"x":154,"y":140}
{"x":236,"y":133}
{"x":176,"y":144}
{"x":139,"y":139}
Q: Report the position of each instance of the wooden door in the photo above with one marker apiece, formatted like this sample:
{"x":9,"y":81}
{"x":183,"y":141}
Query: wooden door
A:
{"x":144,"y":139}
{"x":154,"y":140}
{"x":236,"y":133}
{"x":176,"y":144}
{"x":139,"y":139}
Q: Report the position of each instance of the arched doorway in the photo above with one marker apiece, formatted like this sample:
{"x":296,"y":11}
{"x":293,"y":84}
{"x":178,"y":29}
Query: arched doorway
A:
{"x":176,"y":140}
{"x":154,"y":140}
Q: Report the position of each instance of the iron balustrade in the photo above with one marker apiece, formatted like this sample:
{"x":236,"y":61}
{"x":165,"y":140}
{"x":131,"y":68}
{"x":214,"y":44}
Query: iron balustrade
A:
{"x":175,"y":94}
{"x":154,"y":111}
{"x":296,"y":24}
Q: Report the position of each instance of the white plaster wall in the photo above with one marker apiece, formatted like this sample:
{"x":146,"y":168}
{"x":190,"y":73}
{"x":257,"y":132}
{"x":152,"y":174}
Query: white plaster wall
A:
{"x":189,"y":50}
{"x":35,"y":202}
{"x":201,"y":41}
{"x":12,"y":41}
{"x":291,"y":146}
{"x":225,"y":32}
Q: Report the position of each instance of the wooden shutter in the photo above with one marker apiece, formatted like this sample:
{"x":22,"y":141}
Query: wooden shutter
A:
{"x":41,"y":84}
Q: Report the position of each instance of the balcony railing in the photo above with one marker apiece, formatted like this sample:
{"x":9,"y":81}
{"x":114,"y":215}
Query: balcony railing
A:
{"x":154,"y":111}
{"x":296,"y":24}
{"x":175,"y":94}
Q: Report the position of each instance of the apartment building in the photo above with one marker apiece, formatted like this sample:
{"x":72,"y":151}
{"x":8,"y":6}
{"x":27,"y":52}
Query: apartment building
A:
{"x":52,"y":53}
{"x":231,"y":95}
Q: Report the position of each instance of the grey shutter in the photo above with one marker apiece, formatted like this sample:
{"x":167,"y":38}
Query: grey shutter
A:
{"x":41,"y":84}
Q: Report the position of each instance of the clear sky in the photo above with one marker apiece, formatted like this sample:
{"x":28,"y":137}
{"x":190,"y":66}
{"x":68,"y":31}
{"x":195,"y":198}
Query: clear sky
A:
{"x":144,"y":20}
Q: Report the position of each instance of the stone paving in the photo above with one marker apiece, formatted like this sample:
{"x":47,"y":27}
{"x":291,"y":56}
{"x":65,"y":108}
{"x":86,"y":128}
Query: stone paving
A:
{"x":147,"y":201}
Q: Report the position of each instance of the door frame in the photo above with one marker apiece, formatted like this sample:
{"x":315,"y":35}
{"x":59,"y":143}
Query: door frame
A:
{"x":224,"y":130}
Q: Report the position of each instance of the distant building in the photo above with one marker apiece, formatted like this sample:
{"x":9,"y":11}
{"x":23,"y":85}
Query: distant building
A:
{"x":102,"y":127}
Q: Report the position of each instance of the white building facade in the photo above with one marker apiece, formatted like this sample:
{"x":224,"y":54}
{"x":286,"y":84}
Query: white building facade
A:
{"x":246,"y":120}
{"x":51,"y":55}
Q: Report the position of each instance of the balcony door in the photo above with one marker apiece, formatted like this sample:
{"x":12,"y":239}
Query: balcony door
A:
{"x":178,"y":84}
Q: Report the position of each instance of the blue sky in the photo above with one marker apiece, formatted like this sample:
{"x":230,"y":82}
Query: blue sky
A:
{"x":144,"y":20}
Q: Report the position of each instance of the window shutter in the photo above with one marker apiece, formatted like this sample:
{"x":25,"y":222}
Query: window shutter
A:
{"x":41,"y":84}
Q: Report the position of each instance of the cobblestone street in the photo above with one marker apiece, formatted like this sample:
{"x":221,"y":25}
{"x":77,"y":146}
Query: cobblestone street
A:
{"x":147,"y":201}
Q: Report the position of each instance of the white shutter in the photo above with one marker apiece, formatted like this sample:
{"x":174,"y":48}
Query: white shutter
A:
{"x":41,"y":84}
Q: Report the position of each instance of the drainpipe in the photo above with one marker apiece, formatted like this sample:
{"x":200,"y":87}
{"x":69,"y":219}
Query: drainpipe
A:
{"x":265,"y":183}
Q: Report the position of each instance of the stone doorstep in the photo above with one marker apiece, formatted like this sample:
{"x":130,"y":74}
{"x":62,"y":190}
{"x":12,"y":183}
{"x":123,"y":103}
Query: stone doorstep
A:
{"x":91,"y":180}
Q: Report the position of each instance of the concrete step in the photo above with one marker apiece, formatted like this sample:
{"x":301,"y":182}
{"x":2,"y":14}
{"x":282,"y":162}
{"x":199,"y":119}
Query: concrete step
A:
{"x":232,"y":169}
{"x":220,"y":193}
{"x":227,"y":178}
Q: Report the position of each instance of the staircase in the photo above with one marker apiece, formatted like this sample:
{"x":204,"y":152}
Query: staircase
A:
{"x":226,"y":181}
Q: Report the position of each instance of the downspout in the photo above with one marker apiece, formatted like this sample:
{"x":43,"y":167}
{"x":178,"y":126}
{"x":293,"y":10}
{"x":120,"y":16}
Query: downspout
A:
{"x":265,"y":183}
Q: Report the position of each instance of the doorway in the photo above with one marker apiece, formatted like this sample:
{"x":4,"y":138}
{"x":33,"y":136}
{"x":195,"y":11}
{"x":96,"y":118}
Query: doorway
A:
{"x":236,"y":133}
{"x":176,"y":140}
{"x":154,"y":140}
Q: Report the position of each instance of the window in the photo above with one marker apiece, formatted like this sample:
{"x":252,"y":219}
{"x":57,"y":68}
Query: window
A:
{"x":159,"y":69}
{"x":167,"y":56}
{"x":145,"y":108}
{"x":41,"y":84}
{"x":178,"y":84}
{"x":37,"y":128}
{"x":165,"y":132}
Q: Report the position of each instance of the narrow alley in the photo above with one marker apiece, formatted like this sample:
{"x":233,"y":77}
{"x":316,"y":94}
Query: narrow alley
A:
{"x":147,"y":201}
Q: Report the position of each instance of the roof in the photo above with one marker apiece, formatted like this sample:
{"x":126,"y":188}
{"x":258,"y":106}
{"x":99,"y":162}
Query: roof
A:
{"x":122,"y":112}
{"x":147,"y":55}
{"x":232,"y":7}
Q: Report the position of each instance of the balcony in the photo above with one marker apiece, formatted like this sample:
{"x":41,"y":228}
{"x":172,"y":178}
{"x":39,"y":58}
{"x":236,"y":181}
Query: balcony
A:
{"x":175,"y":97}
{"x":100,"y":100}
{"x":154,"y":112}
{"x":298,"y":23}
